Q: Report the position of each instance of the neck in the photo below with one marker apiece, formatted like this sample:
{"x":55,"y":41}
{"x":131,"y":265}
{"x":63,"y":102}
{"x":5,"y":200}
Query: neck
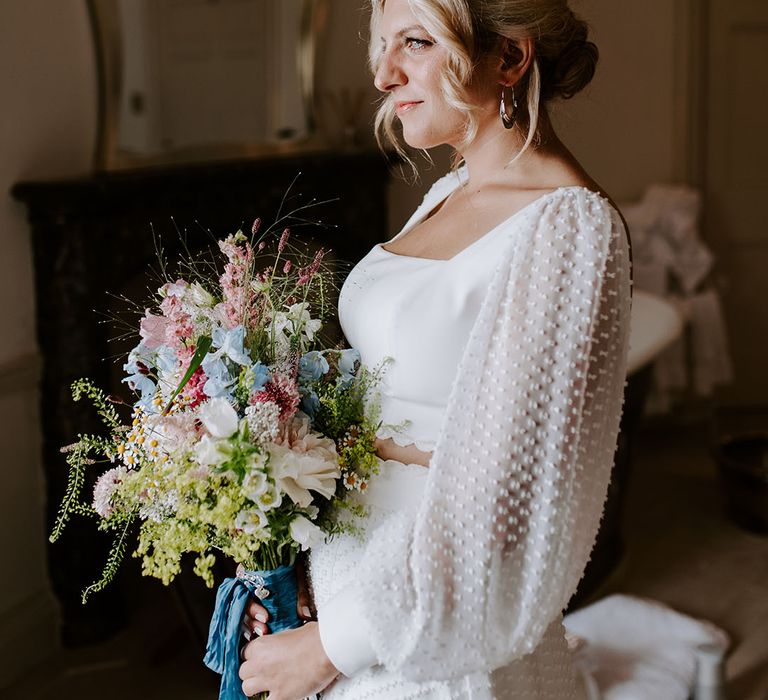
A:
{"x":488,"y":156}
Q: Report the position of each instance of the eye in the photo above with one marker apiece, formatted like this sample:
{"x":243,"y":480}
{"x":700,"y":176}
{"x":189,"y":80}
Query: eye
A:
{"x":416,"y":44}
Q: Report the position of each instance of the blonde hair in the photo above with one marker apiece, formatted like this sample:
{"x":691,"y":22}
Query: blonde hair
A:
{"x":563,"y":64}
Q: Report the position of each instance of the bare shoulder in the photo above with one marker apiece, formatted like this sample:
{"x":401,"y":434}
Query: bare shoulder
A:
{"x":570,"y":173}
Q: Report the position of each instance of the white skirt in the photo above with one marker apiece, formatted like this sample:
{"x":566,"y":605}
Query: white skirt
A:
{"x":547,"y":673}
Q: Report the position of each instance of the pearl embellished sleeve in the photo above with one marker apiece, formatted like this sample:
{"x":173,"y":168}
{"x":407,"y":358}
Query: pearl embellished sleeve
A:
{"x":520,"y":471}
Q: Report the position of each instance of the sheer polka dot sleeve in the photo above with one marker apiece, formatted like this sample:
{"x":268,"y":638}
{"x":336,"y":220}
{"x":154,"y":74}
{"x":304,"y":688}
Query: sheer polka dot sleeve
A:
{"x":518,"y":478}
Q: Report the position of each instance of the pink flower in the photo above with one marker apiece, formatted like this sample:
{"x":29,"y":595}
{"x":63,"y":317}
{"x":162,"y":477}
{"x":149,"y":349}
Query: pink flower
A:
{"x":174,"y":289}
{"x":175,"y":432}
{"x":281,"y":390}
{"x":104,"y":490}
{"x":193,"y":390}
{"x":296,"y":434}
{"x":235,"y":288}
{"x":153,"y":330}
{"x":306,"y":273}
{"x":283,"y":240}
{"x":178,"y":327}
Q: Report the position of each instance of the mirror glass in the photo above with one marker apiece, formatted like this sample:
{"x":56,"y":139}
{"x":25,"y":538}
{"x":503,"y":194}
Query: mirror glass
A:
{"x":201,"y":79}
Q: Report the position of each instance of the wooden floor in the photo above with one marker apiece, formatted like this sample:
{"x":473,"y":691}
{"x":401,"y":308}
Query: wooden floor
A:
{"x":681,"y":551}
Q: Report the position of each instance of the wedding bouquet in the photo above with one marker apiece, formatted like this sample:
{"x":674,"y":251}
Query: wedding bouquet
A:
{"x":245,"y":440}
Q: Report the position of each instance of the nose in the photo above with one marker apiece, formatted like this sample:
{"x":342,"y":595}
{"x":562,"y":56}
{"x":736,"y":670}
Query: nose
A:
{"x":389,"y":73}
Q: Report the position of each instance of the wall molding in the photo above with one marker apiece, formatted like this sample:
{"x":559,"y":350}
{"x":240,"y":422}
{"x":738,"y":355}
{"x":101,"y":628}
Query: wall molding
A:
{"x":20,"y":373}
{"x":26,"y":640}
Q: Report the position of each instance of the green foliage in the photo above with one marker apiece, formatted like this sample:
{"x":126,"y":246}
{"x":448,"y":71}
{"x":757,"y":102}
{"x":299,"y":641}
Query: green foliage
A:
{"x":341,"y":518}
{"x":203,"y":346}
{"x":349,"y":413}
{"x":114,"y":559}
{"x":343,"y":404}
{"x":75,"y":481}
{"x":99,"y":399}
{"x":79,"y":456}
{"x":89,"y":450}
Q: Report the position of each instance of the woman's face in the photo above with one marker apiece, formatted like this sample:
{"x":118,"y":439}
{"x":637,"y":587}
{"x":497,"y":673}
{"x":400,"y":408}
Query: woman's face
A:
{"x":409,"y":69}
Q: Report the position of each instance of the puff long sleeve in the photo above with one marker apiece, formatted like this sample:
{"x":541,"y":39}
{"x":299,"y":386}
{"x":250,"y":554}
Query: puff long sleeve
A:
{"x":521,"y":468}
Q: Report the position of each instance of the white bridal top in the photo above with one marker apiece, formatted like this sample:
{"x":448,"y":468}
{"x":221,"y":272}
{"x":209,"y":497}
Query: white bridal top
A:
{"x":509,"y":361}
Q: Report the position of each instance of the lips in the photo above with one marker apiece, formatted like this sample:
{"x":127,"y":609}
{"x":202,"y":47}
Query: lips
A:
{"x":406,"y":105}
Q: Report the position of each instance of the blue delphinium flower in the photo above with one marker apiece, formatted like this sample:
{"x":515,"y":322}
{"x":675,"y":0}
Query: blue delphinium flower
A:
{"x":220,"y":382}
{"x":312,"y":366}
{"x":349,"y":360}
{"x":140,"y":360}
{"x":221,"y":366}
{"x":230,"y":344}
{"x":165,"y":359}
{"x":260,"y":376}
{"x":310,"y":403}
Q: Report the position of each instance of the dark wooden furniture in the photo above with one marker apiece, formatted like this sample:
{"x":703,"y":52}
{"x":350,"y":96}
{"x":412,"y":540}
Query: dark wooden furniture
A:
{"x":94,"y":234}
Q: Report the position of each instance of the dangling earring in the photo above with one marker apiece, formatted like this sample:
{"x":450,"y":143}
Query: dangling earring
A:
{"x":508,"y":120}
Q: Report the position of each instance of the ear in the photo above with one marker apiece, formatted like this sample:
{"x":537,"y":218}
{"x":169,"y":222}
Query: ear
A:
{"x":515,"y":58}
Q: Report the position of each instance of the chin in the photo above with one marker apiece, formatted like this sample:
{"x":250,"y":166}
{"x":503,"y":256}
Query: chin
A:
{"x":429,"y":133}
{"x":422,"y":139}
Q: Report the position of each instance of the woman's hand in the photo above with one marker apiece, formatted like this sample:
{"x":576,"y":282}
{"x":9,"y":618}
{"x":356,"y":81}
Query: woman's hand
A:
{"x":290,"y":665}
{"x":256,"y":616}
{"x":389,"y":449}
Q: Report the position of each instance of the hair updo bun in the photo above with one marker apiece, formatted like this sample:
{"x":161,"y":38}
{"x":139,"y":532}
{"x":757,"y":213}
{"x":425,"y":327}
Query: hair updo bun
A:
{"x":571,"y":69}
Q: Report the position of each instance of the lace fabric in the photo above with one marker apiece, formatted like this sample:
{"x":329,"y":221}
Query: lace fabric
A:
{"x":403,"y":438}
{"x":397,"y":490}
{"x":476,"y":578}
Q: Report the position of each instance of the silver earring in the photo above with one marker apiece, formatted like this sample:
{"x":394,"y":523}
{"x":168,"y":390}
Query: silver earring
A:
{"x":508,"y":119}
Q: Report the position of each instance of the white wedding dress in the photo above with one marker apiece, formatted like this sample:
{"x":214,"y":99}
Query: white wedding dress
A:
{"x":509,"y":362}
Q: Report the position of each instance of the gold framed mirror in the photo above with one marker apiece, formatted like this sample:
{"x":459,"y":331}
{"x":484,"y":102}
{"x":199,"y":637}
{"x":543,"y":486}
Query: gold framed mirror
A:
{"x":203,"y":80}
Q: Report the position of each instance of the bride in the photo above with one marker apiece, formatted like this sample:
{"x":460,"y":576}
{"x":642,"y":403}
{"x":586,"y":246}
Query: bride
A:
{"x":504,"y":304}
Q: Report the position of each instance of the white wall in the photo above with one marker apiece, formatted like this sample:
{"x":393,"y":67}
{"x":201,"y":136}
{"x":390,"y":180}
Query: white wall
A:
{"x":47,"y":127}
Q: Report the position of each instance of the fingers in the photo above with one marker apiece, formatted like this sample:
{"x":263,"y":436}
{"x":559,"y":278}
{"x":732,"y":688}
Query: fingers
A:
{"x":245,"y":654}
{"x":255,"y":620}
{"x":246,"y":632}
{"x":252,"y":682}
{"x":256,"y":611}
{"x":305,"y":605}
{"x":250,"y":688}
{"x":252,"y":628}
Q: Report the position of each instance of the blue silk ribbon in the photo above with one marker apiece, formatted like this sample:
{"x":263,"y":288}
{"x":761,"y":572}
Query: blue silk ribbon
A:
{"x":276,"y":590}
